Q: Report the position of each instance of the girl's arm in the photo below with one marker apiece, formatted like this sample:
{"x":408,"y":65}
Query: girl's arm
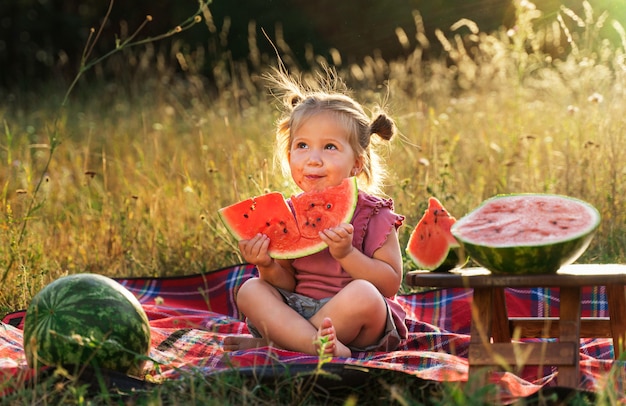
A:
{"x":278,"y":273}
{"x":383,"y":269}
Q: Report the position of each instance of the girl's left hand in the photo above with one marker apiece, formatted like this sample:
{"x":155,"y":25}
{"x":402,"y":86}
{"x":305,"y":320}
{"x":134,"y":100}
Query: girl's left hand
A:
{"x":339,"y":240}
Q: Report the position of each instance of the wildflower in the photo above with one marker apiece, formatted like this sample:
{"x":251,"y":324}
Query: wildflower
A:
{"x":78,"y":339}
{"x":495,"y":147}
{"x":527,"y":5}
{"x":571,"y":109}
{"x":596,"y":98}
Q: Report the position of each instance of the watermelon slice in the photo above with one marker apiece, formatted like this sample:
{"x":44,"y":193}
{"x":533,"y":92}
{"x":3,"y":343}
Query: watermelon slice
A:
{"x":431,"y":244}
{"x":527,"y":233}
{"x":292,"y":234}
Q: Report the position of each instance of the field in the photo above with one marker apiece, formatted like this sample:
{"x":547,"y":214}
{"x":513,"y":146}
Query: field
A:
{"x":125,"y":179}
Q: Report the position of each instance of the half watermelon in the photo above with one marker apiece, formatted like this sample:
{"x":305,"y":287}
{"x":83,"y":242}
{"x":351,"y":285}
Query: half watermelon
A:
{"x":527,"y":233}
{"x":293,"y":234}
{"x":431,"y":245}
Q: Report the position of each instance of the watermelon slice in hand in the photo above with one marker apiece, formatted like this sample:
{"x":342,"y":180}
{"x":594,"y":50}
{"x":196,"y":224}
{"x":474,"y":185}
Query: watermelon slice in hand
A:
{"x":431,"y":244}
{"x":292,"y":234}
{"x":527,"y":233}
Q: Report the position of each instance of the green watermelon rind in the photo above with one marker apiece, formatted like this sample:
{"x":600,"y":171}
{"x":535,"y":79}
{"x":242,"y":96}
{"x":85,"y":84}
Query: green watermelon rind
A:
{"x":514,"y":259}
{"x":455,"y":259}
{"x":310,"y":250}
{"x":451,"y":260}
{"x":86,"y":319}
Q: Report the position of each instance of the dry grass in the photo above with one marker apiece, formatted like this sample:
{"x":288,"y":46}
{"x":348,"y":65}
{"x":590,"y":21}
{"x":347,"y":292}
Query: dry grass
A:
{"x":142,"y":167}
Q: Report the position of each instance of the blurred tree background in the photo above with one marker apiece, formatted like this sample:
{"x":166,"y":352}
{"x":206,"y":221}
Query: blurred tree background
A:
{"x":42,"y":40}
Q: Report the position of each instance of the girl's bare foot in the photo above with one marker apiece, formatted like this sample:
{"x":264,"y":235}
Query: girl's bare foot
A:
{"x":236,"y":343}
{"x":326,"y":333}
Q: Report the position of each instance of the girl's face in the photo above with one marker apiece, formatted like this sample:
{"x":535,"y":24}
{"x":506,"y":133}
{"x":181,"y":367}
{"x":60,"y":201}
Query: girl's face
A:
{"x":320,"y":154}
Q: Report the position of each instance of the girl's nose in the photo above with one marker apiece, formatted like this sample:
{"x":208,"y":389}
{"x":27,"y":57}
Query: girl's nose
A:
{"x":315,"y":157}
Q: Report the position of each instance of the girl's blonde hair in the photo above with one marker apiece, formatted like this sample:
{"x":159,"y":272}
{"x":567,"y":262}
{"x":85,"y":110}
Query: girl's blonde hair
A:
{"x":302,"y":102}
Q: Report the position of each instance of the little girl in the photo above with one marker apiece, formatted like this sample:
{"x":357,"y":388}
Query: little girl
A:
{"x":344,"y":295}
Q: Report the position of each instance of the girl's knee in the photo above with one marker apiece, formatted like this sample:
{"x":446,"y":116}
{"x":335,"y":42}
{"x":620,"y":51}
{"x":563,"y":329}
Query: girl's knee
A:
{"x":364,"y":293}
{"x":362,"y":288}
{"x":254,"y":289}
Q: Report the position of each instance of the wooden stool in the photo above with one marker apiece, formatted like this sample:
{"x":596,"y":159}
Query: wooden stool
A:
{"x":490,"y":317}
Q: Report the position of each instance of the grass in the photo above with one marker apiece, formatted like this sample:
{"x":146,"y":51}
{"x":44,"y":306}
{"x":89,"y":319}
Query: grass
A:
{"x":141,"y":166}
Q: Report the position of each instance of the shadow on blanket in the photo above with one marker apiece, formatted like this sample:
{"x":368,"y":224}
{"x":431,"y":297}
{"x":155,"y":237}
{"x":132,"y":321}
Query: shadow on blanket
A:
{"x":191,"y":315}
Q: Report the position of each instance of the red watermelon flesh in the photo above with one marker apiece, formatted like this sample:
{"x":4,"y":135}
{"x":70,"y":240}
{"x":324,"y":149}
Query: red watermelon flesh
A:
{"x":526,"y":220}
{"x":431,"y":243}
{"x":293,"y":234}
{"x":319,"y":210}
{"x":268,"y":214}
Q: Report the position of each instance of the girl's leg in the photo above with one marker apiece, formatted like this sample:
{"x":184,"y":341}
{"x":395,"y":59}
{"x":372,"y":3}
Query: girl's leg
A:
{"x":358,"y":314}
{"x":279,"y":324}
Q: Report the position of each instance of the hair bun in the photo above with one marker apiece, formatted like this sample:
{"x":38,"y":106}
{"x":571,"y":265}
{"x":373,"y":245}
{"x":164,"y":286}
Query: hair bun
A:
{"x":292,"y":100}
{"x":383,"y":126}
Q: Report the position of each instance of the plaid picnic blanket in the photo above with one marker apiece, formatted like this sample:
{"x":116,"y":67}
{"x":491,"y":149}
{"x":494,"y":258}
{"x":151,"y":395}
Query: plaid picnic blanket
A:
{"x":191,"y":315}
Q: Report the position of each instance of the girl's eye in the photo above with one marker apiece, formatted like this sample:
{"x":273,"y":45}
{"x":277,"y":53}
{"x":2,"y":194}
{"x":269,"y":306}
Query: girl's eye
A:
{"x":301,"y":145}
{"x":330,"y":146}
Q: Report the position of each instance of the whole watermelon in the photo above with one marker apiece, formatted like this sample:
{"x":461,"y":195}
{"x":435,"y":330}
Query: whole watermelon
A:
{"x":86,"y":319}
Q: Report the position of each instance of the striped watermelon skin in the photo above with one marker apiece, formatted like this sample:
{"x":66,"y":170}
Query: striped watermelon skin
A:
{"x":529,"y":260}
{"x":86,"y":319}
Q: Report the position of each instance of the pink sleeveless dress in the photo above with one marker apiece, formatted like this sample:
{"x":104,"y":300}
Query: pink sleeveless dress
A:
{"x":320,"y":276}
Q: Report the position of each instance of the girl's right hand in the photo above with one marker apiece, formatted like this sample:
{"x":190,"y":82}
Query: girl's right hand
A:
{"x":254,"y":250}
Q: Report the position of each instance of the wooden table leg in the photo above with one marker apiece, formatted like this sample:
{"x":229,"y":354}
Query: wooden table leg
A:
{"x":480,"y":335}
{"x":616,"y":298}
{"x":500,"y":317}
{"x":569,"y":332}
